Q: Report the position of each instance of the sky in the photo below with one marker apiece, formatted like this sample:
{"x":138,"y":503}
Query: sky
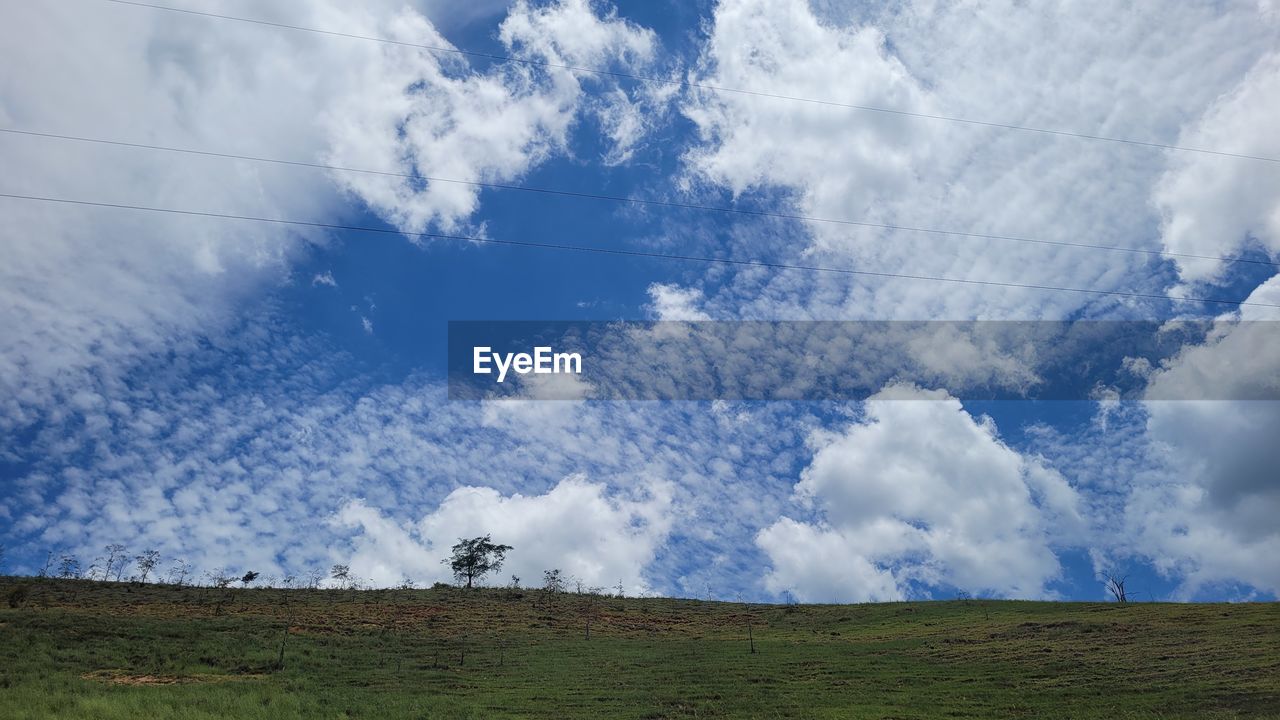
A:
{"x":272,"y":397}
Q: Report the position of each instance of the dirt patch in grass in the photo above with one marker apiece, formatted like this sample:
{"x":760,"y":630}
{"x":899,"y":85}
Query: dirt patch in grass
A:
{"x":120,"y":677}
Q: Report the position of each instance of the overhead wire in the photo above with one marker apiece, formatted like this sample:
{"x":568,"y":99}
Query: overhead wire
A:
{"x":637,"y":253}
{"x":639,"y":201}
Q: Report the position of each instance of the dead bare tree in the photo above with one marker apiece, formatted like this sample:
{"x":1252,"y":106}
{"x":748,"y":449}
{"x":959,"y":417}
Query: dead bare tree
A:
{"x":115,"y":553}
{"x":179,"y":572}
{"x":219,"y":578}
{"x":284,"y":636}
{"x":592,"y":607}
{"x":314,"y":577}
{"x":751,"y":638}
{"x":1115,"y":585}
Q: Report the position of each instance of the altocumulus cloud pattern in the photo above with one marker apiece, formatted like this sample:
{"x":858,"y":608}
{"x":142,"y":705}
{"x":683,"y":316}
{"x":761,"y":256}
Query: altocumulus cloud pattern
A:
{"x":278,"y":395}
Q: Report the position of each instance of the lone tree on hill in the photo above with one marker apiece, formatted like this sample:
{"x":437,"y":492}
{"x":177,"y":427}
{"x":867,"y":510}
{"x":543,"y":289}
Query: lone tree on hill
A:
{"x":1115,"y":585}
{"x":473,"y":559}
{"x":341,"y":573}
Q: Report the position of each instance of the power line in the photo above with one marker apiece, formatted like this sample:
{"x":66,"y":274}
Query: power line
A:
{"x":639,"y":201}
{"x":635,"y":253}
{"x":696,"y":85}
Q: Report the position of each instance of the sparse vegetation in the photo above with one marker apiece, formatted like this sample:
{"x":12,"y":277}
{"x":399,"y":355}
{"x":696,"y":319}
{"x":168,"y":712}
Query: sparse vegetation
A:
{"x":74,"y":648}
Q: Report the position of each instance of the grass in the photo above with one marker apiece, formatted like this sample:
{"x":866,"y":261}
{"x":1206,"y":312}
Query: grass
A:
{"x":75,"y":649}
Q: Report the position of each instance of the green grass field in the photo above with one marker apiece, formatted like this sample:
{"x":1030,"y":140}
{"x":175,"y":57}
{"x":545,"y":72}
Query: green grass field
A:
{"x":75,"y":649}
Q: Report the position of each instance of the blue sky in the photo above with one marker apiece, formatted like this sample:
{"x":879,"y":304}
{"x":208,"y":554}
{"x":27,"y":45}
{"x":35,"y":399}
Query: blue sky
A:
{"x":253,"y":396}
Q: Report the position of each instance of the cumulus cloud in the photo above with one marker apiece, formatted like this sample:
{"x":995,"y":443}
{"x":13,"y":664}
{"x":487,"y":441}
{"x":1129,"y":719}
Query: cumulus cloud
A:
{"x":1219,"y":206}
{"x":577,"y":526}
{"x":432,"y":116}
{"x":1210,"y":516}
{"x":920,"y":492}
{"x":783,"y":48}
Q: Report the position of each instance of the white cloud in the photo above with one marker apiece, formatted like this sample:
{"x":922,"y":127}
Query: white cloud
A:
{"x":87,"y":288}
{"x":1185,"y":487}
{"x":431,"y":116}
{"x":577,"y":526}
{"x":204,"y":461}
{"x":228,"y":455}
{"x":90,"y":290}
{"x":1210,"y":516}
{"x":920,"y":492}
{"x":671,"y":302}
{"x":1219,"y":206}
{"x":782,"y":48}
{"x":1142,"y":74}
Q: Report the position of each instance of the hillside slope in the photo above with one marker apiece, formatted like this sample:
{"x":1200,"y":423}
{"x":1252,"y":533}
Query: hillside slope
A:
{"x":76,"y":649}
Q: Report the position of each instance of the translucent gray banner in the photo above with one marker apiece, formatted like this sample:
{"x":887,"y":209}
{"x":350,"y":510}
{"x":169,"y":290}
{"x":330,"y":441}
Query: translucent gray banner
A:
{"x":761,"y":360}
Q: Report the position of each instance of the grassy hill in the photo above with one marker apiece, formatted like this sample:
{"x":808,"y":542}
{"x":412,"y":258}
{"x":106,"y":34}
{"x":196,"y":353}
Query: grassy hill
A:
{"x":76,"y":649}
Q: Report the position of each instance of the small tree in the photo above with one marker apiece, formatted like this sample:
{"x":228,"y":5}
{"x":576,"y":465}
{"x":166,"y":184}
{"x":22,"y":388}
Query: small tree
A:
{"x":219,"y":578}
{"x":341,"y":573}
{"x":473,"y":559}
{"x":1115,"y":586}
{"x":314,"y":577}
{"x":553,"y":581}
{"x":68,"y":567}
{"x":121,"y":564}
{"x":248,"y":578}
{"x":115,"y":556}
{"x":147,"y":562}
{"x":179,"y":572}
{"x":592,"y":607}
